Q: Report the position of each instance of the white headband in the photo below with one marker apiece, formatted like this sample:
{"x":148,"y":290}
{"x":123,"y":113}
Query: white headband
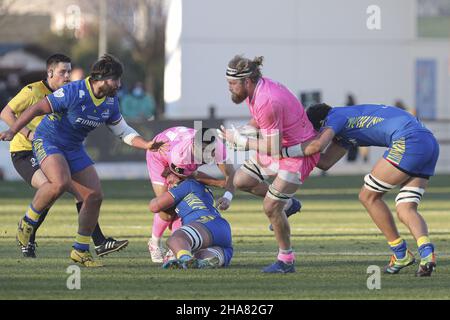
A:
{"x":235,"y":74}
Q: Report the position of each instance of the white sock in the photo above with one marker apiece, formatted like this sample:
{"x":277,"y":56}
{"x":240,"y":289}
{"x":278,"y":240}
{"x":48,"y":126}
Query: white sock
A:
{"x":155,"y":241}
{"x":288,"y":205}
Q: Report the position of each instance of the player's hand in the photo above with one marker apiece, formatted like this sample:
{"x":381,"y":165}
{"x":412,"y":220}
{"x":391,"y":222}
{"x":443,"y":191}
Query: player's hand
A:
{"x":223,"y":203}
{"x":30,"y":136}
{"x":157,"y":146}
{"x":226,"y":134}
{"x":7,"y":135}
{"x":233,"y":137}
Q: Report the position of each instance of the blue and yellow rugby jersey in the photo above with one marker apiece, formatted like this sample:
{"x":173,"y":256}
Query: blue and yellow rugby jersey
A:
{"x":371,"y":125}
{"x":76,"y":112}
{"x":193,"y":200}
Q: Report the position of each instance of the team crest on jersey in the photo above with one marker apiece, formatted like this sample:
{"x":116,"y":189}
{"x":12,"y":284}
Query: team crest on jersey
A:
{"x":59,"y":93}
{"x":110,"y":100}
{"x":81,"y":94}
{"x":105,"y":114}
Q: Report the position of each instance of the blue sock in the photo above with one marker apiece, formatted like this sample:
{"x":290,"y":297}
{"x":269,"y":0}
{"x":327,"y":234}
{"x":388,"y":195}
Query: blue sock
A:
{"x":32,"y":215}
{"x":82,"y":242}
{"x":185,"y":257}
{"x":32,"y":222}
{"x":425,"y":250}
{"x":400,"y":249}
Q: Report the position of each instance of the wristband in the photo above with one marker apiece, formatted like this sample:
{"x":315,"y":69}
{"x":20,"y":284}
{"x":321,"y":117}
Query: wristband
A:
{"x":240,"y":140}
{"x":292,"y":152}
{"x":228,"y":195}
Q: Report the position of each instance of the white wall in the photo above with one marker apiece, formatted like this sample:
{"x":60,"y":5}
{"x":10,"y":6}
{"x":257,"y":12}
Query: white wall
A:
{"x":307,"y":45}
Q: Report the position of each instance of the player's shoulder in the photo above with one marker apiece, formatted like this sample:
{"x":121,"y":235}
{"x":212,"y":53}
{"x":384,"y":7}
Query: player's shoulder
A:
{"x":71,"y":88}
{"x":191,"y":182}
{"x":270,"y":95}
{"x":35,"y":89}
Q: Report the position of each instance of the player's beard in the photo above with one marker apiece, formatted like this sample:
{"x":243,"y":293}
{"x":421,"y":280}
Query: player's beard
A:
{"x":238,"y":98}
{"x":109,"y":91}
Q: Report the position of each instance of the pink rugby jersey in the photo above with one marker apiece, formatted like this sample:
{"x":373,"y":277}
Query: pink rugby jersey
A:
{"x":178,"y":155}
{"x":275,"y":107}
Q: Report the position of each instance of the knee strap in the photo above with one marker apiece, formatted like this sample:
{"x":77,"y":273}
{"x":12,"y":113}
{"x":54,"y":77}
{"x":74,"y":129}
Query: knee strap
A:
{"x":376,"y":185}
{"x":218,"y":254}
{"x":194,"y":236}
{"x":277,"y":195}
{"x":409,"y":194}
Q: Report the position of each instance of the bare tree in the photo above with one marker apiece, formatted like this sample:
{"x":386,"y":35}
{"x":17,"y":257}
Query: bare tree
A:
{"x":140,"y":24}
{"x":5,"y":6}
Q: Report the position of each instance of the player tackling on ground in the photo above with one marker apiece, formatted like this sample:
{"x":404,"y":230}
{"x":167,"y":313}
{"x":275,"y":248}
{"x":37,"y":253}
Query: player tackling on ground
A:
{"x":409,"y":162}
{"x":281,"y":120}
{"x":178,"y":156}
{"x":204,"y":240}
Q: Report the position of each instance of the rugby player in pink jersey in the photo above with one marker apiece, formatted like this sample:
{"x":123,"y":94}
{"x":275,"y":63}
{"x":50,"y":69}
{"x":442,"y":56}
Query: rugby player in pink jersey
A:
{"x":281,"y":121}
{"x":180,"y":157}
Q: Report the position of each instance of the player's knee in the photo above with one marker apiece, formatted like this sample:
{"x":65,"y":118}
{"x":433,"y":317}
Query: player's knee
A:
{"x":406,"y":211}
{"x":243,"y":184}
{"x":270,"y":206}
{"x":171,"y":242}
{"x":59,"y":187}
{"x":367,"y":197}
{"x":95,"y":196}
{"x":165,"y":216}
{"x":363,"y":196}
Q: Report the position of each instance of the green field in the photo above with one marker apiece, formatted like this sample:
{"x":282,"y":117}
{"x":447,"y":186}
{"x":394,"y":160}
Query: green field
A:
{"x":334,"y":238}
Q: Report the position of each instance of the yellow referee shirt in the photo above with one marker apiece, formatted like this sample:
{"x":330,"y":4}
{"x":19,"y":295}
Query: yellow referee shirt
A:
{"x":29,"y":95}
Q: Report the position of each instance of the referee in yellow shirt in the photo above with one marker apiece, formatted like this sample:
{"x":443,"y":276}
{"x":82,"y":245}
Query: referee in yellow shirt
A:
{"x":58,"y":74}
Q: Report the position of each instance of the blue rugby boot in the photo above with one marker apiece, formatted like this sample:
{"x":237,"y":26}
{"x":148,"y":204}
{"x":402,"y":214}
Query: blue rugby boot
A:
{"x":279,"y":267}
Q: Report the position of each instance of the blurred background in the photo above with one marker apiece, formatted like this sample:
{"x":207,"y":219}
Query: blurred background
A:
{"x":342,"y":52}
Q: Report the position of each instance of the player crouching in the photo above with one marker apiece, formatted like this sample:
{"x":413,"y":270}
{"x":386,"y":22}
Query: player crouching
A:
{"x":204,"y":240}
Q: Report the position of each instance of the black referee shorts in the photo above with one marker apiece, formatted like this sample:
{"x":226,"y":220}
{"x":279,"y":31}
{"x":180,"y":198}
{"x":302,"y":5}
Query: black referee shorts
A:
{"x":25,"y":164}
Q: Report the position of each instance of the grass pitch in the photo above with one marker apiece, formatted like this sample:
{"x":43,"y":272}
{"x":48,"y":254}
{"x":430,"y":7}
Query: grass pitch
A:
{"x":334,"y":238}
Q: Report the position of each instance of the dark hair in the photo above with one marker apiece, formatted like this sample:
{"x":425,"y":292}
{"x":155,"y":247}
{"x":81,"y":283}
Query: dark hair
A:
{"x":317,"y":114}
{"x":57,"y":58}
{"x":244,"y":66}
{"x":107,"y":67}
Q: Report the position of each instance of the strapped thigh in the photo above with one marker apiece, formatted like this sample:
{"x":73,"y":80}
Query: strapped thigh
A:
{"x":409,"y":194}
{"x":194,"y":236}
{"x":376,"y":185}
{"x":218,"y":253}
{"x":277,"y":195}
